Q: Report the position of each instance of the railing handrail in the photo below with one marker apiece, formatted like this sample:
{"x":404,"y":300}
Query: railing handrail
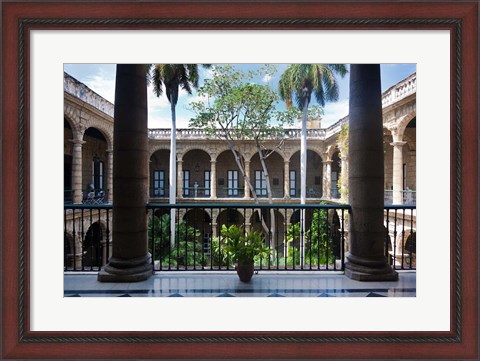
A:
{"x":400,"y":206}
{"x":247,"y":205}
{"x":238,"y":205}
{"x":88,"y":206}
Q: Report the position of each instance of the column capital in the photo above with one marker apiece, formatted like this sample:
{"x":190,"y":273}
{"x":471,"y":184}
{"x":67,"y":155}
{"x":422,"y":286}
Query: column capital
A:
{"x":398,"y":143}
{"x":77,"y":141}
{"x":328,"y":161}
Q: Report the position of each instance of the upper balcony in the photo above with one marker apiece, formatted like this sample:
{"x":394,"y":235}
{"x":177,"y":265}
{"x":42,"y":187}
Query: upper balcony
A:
{"x":400,"y":90}
{"x":188,"y":133}
{"x":84,"y":93}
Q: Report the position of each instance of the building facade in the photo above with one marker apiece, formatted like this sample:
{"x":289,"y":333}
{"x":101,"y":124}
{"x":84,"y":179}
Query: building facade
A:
{"x":207,"y":171}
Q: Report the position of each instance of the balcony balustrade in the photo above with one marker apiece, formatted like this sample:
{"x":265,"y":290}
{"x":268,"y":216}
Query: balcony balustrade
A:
{"x":408,"y":196}
{"x":321,"y":246}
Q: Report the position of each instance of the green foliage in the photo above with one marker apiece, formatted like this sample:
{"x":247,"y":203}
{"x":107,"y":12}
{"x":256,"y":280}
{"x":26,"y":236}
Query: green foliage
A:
{"x":342,"y":141}
{"x":318,"y":245}
{"x":220,"y":257}
{"x":242,"y":109}
{"x":243,"y":247}
{"x":188,"y":248}
{"x":299,"y":81}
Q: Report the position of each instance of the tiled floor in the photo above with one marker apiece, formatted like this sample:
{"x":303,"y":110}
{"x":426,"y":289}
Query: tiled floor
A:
{"x":227,"y":284}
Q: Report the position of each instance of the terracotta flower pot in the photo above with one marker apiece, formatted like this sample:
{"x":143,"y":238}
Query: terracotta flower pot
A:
{"x":245,"y":271}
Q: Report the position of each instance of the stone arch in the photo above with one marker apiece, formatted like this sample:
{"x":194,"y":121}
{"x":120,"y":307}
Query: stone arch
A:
{"x":402,"y":237}
{"x":331,"y":149}
{"x":200,"y":221}
{"x":197,"y":162}
{"x":71,"y":115}
{"x":314,"y":173}
{"x":228,"y":217}
{"x":69,"y":250}
{"x":276,"y":240}
{"x":404,"y":122}
{"x":102,"y":126}
{"x":406,"y":248}
{"x":95,"y":160}
{"x":230,"y":182}
{"x":275,"y":166}
{"x":154,"y":147}
{"x":92,"y":247}
{"x":159,"y":170}
{"x":190,"y":148}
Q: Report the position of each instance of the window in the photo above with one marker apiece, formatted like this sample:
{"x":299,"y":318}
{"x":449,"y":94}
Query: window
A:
{"x":232,"y":183}
{"x":159,"y":183}
{"x":293,"y":183}
{"x":97,"y":174}
{"x":260,"y":183}
{"x":207,"y":183}
{"x":186,"y":183}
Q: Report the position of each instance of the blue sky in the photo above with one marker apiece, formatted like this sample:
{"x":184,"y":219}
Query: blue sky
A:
{"x":101,"y":79}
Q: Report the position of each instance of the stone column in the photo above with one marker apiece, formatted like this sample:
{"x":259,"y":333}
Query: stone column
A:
{"x":366,"y":260}
{"x":286,"y":188}
{"x":77,"y":169}
{"x":397,"y":172}
{"x":130,"y":261}
{"x":213,"y":179}
{"x":179,"y":178}
{"x":246,"y":189}
{"x":109,"y":175}
{"x":327,"y":179}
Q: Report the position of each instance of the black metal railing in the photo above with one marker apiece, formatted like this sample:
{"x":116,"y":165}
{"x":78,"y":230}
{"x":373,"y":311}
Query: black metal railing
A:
{"x":87,"y":236}
{"x":401,"y":236}
{"x":197,"y":241}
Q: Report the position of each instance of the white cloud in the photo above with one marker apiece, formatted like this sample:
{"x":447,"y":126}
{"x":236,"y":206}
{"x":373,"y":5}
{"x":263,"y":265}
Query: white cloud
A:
{"x":103,"y":86}
{"x":334,"y":112}
{"x":266,"y":78}
{"x":163,"y":120}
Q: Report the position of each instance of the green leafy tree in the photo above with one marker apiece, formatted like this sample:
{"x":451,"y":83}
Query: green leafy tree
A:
{"x":236,"y":109}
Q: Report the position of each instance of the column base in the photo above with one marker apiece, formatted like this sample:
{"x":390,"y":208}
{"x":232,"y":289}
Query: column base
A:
{"x":362,"y":273}
{"x":132,"y":270}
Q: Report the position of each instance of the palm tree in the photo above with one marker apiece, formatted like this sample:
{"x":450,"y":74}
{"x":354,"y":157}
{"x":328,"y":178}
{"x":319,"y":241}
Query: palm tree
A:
{"x":298,"y":82}
{"x":172,"y":77}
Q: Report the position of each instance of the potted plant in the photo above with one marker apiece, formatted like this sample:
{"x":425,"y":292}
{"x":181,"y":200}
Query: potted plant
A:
{"x":243,"y":247}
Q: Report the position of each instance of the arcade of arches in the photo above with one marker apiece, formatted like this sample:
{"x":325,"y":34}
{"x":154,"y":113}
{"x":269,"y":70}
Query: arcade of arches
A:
{"x":206,"y":168}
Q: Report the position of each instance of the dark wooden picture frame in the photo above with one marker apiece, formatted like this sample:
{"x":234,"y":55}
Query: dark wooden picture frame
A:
{"x":18,"y":341}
